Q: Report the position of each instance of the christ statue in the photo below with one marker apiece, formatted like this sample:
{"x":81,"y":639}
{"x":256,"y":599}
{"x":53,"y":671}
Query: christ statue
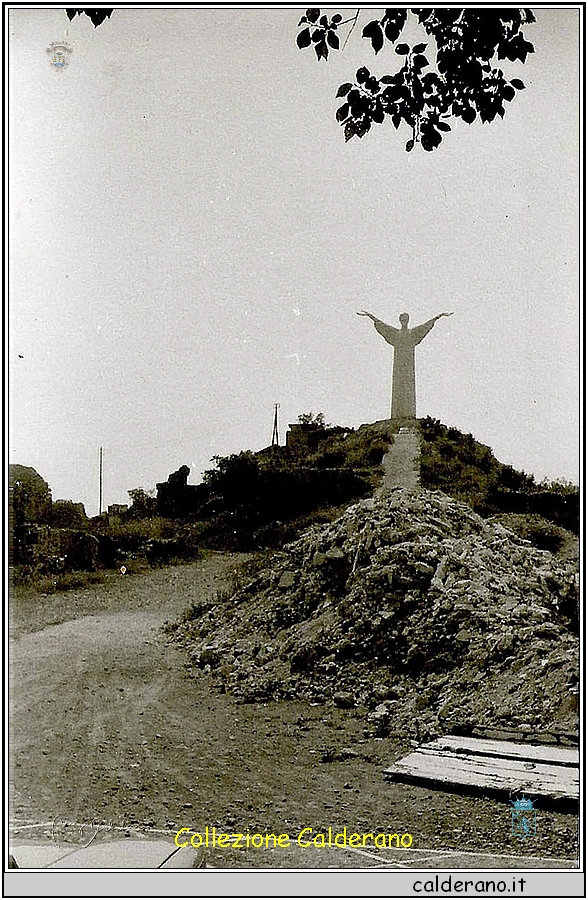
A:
{"x":404,"y":340}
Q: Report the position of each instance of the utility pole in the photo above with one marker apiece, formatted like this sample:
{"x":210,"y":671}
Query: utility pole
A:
{"x":100,"y":504}
{"x":275,"y":434}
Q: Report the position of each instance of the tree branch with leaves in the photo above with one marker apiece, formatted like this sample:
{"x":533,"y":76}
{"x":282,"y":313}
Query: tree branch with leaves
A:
{"x":96,"y":16}
{"x":463,"y":81}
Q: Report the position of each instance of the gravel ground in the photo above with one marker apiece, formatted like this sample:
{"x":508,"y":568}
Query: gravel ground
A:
{"x":108,"y":725}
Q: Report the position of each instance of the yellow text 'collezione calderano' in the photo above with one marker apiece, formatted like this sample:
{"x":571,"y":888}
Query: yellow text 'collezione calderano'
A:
{"x":307,"y":837}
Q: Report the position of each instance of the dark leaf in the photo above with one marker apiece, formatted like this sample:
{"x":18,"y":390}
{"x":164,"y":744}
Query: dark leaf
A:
{"x":443,"y":126}
{"x":448,"y":16}
{"x":396,"y":119}
{"x":508,"y":92}
{"x":518,"y":48}
{"x":323,"y":21}
{"x":518,"y":84}
{"x":430,"y":138}
{"x":419,"y":62}
{"x":373,"y":31}
{"x":342,"y":112}
{"x":321,"y":50}
{"x":333,"y":40}
{"x":378,"y":113}
{"x":312,"y":14}
{"x":377,"y":40}
{"x":359,"y":106}
{"x":394,"y":20}
{"x":392,"y":93}
{"x":407,"y":114}
{"x":362,"y":75}
{"x":529,"y":16}
{"x":363,"y":127}
{"x":349,"y":130}
{"x":388,"y":79}
{"x":344,"y":89}
{"x":402,"y":49}
{"x":318,"y":35}
{"x":302,"y":21}
{"x":98,"y":15}
{"x":303,"y":39}
{"x":468,"y":114}
{"x":336,"y":19}
{"x":409,"y":146}
{"x":420,"y":48}
{"x":392,"y":31}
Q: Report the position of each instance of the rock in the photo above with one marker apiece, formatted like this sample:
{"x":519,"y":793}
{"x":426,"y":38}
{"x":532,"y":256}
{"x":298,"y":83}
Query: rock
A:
{"x":464,"y":635}
{"x":409,"y":589}
{"x":382,"y":691}
{"x":287,"y":580}
{"x":344,"y":699}
{"x":335,"y":553}
{"x":347,"y":753}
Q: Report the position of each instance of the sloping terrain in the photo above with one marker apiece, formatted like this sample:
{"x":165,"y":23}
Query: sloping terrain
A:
{"x":410,"y":605}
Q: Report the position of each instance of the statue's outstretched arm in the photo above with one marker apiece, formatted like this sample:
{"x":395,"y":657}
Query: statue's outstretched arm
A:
{"x":388,"y":332}
{"x":422,"y":331}
{"x":432,"y":321}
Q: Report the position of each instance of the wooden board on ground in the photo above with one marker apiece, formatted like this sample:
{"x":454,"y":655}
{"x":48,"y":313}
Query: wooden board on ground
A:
{"x":542,"y":753}
{"x":494,"y":766}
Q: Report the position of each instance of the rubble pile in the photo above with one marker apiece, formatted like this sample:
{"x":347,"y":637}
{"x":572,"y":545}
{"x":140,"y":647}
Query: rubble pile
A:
{"x":411,"y":606}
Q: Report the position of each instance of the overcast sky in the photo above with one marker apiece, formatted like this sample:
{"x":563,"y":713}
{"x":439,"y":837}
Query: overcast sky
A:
{"x":191,"y":239}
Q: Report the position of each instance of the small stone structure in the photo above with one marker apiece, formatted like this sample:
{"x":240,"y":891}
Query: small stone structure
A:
{"x":118,"y":509}
{"x":175,"y":497}
{"x":303,"y":437}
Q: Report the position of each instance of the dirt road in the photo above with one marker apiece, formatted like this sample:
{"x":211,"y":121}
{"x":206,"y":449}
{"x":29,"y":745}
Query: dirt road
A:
{"x":106,"y":726}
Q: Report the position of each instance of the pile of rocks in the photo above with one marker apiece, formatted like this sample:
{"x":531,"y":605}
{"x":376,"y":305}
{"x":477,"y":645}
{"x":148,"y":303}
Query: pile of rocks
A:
{"x":411,"y":606}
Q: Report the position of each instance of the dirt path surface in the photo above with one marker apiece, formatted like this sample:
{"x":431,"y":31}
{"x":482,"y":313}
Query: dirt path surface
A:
{"x":106,"y":726}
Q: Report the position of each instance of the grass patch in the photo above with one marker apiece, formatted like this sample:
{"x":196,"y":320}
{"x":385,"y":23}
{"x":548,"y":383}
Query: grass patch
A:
{"x":28,"y":580}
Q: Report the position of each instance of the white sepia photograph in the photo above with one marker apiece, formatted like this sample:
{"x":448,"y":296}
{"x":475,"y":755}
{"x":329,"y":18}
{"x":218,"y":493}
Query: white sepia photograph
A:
{"x":293,"y":448}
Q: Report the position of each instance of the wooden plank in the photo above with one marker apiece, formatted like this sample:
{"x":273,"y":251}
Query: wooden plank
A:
{"x":491,"y":767}
{"x":514,"y":734}
{"x":491,"y":773}
{"x":546,"y":753}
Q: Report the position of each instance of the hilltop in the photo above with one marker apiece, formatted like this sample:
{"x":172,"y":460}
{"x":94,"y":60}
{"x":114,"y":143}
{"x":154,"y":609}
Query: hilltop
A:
{"x":255,"y":500}
{"x":261,"y":500}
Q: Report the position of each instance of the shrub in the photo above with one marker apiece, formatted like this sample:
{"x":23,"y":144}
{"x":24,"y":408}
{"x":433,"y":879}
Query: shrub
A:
{"x":542,"y":533}
{"x":29,"y":576}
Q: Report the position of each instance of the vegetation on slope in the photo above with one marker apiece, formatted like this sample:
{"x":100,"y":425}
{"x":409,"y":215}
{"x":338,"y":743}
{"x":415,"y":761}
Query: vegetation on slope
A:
{"x":255,"y":500}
